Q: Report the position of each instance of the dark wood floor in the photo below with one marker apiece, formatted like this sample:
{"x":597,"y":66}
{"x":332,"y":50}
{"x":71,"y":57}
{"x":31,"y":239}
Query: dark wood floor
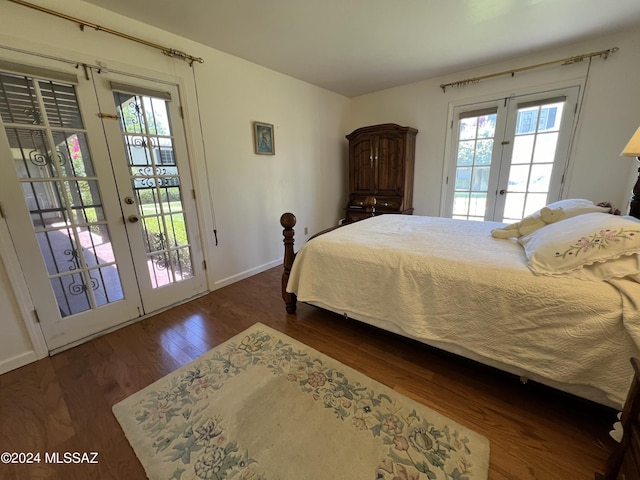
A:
{"x":63,"y":403}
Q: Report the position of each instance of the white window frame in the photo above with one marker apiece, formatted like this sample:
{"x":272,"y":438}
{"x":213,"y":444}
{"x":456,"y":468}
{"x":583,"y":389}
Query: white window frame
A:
{"x":498,"y":100}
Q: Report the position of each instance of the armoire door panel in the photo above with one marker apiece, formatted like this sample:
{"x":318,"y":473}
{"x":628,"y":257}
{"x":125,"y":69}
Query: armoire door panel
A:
{"x":361,"y":172}
{"x":390,"y":171}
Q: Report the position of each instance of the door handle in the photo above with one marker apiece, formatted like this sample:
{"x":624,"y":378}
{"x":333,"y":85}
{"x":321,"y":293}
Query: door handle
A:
{"x":133,"y":218}
{"x":502,"y":192}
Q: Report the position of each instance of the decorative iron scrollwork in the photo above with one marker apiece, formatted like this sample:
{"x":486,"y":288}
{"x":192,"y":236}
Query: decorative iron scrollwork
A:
{"x":138,"y":142}
{"x":40,"y":159}
{"x":144,"y":182}
{"x":136,"y":110}
{"x":164,"y":259}
{"x":145,"y":171}
{"x":34,"y":115}
{"x":160,"y":260}
{"x":149,"y":171}
{"x":77,"y":288}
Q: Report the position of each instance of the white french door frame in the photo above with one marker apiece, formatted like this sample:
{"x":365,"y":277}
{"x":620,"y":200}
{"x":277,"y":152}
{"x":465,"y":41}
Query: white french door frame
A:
{"x":16,"y":280}
{"x":499,"y":100}
{"x":561,"y":159}
{"x":153,"y":298}
{"x":73,"y":268}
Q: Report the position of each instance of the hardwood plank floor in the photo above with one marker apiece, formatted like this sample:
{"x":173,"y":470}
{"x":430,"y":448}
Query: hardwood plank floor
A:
{"x":63,"y":403}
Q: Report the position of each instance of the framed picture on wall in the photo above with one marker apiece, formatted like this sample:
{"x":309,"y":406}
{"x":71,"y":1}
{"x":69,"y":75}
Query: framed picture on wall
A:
{"x":263,"y":138}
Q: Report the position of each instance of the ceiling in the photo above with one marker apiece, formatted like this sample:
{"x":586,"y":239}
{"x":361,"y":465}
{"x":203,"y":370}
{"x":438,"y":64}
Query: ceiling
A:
{"x":353,"y":47}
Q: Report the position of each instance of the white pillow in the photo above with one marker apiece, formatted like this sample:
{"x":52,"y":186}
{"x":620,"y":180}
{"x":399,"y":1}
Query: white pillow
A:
{"x":577,"y":206}
{"x":591,"y":246}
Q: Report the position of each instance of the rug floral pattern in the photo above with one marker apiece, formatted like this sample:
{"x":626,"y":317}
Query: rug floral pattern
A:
{"x":193,"y":445}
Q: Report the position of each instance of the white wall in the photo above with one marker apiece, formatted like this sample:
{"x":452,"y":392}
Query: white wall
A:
{"x":250,"y":191}
{"x":239,"y":193}
{"x":609,"y":116}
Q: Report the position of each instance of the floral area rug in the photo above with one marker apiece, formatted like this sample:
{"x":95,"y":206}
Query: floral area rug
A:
{"x":263,"y":406}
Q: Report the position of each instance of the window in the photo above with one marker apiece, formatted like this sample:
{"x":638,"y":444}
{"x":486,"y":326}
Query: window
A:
{"x":533,"y":157}
{"x":166,"y":156}
{"x":477,"y":130}
{"x":509,"y":155}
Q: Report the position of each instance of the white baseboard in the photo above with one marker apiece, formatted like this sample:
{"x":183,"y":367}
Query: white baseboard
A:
{"x":17,"y":361}
{"x":246,"y":274}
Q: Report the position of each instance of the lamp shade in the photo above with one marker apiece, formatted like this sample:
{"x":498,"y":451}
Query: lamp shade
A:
{"x":633,"y":147}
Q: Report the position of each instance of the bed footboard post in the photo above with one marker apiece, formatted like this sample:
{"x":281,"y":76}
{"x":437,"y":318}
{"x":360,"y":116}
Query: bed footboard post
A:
{"x":288,"y":221}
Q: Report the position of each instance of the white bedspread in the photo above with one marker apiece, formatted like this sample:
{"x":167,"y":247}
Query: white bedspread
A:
{"x":449,"y":284}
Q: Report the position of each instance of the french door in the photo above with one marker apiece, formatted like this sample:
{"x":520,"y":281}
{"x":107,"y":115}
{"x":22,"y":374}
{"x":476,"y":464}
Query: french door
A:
{"x":510,"y":155}
{"x":97,"y":195}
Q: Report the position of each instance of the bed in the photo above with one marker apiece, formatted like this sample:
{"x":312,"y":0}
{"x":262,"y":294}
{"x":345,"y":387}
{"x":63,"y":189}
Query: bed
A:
{"x":558,"y":306}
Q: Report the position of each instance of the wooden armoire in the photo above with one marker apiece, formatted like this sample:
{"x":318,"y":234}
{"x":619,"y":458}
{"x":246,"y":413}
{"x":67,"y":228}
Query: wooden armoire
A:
{"x":381,"y":160}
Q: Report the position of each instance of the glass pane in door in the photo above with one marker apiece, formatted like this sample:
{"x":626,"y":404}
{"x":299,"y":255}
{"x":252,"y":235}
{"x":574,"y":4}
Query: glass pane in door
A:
{"x":51,"y":157}
{"x":149,"y":146}
{"x":475,"y":146}
{"x":534,"y":149}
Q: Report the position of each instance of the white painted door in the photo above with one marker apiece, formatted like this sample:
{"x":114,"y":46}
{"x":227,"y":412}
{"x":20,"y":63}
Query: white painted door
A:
{"x":536,"y":148}
{"x":66,"y":209}
{"x":150,"y":162}
{"x":510,"y":155}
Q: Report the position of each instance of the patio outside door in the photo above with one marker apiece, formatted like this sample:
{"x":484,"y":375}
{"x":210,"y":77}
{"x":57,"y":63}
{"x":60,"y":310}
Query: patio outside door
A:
{"x":94,"y":197}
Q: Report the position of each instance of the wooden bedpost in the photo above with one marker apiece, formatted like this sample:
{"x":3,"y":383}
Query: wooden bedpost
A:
{"x":288,"y":221}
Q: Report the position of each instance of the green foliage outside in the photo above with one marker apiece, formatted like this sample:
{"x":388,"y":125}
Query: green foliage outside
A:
{"x":176,"y":234}
{"x":475,"y":150}
{"x":149,"y":195}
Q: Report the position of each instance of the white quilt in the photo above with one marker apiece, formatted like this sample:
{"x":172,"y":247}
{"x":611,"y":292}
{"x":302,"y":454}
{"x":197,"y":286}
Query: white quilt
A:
{"x":449,"y":284}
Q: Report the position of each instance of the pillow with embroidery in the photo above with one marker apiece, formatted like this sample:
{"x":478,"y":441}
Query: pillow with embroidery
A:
{"x":591,"y":246}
